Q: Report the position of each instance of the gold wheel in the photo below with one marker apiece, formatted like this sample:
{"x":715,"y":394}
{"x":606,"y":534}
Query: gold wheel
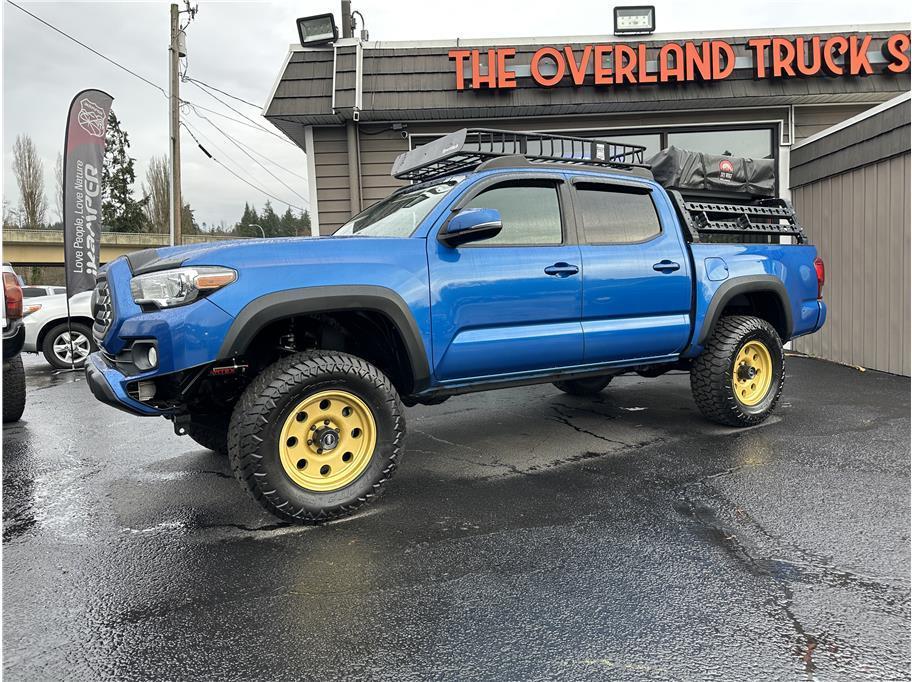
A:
{"x":327,"y":441}
{"x":752,"y":374}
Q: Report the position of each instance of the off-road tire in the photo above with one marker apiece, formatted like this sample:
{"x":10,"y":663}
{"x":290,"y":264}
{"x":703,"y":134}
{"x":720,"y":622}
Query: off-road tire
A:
{"x":711,"y":372}
{"x":584,"y":387}
{"x":211,"y":433}
{"x":253,"y":448}
{"x":47,"y":345}
{"x":13,"y":389}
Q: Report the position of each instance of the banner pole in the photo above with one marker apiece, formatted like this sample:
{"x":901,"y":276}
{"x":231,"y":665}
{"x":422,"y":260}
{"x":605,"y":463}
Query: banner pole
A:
{"x":70,"y":336}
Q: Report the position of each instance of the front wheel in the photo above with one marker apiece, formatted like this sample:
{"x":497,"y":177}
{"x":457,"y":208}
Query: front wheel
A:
{"x":316,"y":436}
{"x":737,"y":380}
{"x":65,"y":347}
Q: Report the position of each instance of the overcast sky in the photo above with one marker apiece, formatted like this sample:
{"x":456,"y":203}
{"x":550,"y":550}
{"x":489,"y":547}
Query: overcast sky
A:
{"x":240,"y":47}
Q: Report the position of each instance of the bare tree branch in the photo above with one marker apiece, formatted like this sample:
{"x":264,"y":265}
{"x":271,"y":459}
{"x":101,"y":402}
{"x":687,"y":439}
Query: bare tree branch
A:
{"x":29,"y":172}
{"x":158,"y":192}
{"x":58,"y":186}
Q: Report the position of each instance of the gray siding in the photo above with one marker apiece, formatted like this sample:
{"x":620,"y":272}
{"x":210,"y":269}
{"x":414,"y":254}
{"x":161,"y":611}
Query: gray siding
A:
{"x":879,"y":136}
{"x":377,"y":155}
{"x":860,"y":222}
{"x":331,"y":163}
{"x":810,"y":120}
{"x":306,"y":86}
{"x":346,"y":77}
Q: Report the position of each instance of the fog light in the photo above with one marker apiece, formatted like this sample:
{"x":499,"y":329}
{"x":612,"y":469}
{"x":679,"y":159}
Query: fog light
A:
{"x":152,"y":357}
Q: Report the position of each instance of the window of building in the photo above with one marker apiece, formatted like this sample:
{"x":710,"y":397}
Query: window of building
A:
{"x":652,"y":142}
{"x":752,"y":143}
{"x":610,"y":215}
{"x":530,"y":213}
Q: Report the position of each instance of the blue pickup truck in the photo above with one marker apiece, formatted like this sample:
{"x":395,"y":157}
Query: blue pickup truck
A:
{"x":511,"y":259}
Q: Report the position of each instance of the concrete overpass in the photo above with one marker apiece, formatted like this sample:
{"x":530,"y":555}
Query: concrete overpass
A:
{"x":30,"y":248}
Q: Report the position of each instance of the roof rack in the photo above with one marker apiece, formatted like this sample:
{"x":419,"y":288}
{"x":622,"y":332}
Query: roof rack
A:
{"x":761,"y":217}
{"x":466,"y":149}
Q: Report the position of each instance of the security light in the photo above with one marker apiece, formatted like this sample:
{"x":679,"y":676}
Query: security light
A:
{"x":639,"y":19}
{"x":318,"y":29}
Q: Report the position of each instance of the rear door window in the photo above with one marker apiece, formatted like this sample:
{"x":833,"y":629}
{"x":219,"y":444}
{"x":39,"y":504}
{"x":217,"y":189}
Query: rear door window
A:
{"x":616,"y":215}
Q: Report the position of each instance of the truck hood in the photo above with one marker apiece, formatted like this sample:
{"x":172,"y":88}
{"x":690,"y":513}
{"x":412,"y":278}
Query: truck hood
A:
{"x":252,"y":252}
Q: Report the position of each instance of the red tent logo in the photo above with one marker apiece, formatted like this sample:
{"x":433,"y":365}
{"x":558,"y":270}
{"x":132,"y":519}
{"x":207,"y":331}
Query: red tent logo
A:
{"x":91,"y":118}
{"x":726,"y":166}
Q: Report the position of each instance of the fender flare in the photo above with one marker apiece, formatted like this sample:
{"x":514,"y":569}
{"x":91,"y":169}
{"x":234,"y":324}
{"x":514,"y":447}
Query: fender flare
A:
{"x":262,"y":311}
{"x":745,"y":285}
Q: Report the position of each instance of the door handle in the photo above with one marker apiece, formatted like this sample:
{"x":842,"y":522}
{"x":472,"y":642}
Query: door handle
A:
{"x":561,"y":269}
{"x":666,"y":266}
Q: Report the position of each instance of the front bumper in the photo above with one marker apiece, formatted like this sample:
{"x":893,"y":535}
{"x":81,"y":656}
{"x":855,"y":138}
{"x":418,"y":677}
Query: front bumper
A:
{"x":109,"y":386}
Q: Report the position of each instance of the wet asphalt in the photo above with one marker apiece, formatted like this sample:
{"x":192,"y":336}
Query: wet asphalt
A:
{"x":527,"y":535}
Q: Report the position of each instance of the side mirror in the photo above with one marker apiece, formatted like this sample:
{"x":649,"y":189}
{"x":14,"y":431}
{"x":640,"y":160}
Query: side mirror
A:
{"x":471,"y":225}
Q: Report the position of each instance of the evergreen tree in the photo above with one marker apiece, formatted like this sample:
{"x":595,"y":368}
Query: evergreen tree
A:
{"x":188,"y":221}
{"x":270,"y":221}
{"x":304,"y":224}
{"x":120,"y":212}
{"x":249,"y":217}
{"x":288,"y":225}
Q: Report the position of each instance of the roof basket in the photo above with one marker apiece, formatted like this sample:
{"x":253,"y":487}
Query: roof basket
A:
{"x":466,"y":149}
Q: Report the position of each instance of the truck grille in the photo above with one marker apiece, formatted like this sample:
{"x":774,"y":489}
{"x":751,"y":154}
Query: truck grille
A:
{"x":102,"y":310}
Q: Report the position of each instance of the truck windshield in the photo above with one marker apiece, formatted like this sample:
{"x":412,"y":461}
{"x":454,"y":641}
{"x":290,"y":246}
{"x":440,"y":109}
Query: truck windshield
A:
{"x":399,"y":214}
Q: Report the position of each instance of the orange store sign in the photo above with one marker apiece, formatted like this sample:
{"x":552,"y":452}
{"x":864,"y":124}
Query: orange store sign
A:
{"x":710,"y":60}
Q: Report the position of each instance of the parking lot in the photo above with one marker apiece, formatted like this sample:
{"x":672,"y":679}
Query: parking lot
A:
{"x":527,"y":535}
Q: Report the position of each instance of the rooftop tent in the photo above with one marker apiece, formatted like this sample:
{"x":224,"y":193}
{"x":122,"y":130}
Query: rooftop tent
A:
{"x":689,"y":171}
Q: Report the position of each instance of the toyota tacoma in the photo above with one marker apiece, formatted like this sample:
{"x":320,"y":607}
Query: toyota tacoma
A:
{"x":511,"y":259}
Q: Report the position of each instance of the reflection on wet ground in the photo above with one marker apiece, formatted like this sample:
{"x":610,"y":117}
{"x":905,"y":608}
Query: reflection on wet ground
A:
{"x":528,"y":534}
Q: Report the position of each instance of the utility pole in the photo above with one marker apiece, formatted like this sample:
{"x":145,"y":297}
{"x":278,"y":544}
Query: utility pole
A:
{"x":174,"y":127}
{"x":346,"y":19}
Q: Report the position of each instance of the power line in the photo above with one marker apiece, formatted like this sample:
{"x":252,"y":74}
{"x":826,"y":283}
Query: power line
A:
{"x":238,"y":167}
{"x":144,"y":79}
{"x":240,"y":113}
{"x":194,"y":106}
{"x":90,"y":49}
{"x":273,"y":175}
{"x":251,"y":150}
{"x":212,"y":87}
{"x":223,"y":154}
{"x":274,"y":163}
{"x":244,"y":180}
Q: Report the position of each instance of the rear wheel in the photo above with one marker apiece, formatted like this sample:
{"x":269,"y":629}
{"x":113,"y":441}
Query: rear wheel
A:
{"x":13,"y":389}
{"x":583,"y":387}
{"x":316,"y":436}
{"x":65,"y":347}
{"x":738,"y":378}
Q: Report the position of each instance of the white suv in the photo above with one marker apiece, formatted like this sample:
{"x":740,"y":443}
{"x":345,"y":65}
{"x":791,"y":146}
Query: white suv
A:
{"x":47,"y":332}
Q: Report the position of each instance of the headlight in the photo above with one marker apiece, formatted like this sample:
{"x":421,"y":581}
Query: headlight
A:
{"x":180,"y":286}
{"x":29,"y":309}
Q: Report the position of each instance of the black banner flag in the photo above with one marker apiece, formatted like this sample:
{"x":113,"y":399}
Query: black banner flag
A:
{"x":83,"y":157}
